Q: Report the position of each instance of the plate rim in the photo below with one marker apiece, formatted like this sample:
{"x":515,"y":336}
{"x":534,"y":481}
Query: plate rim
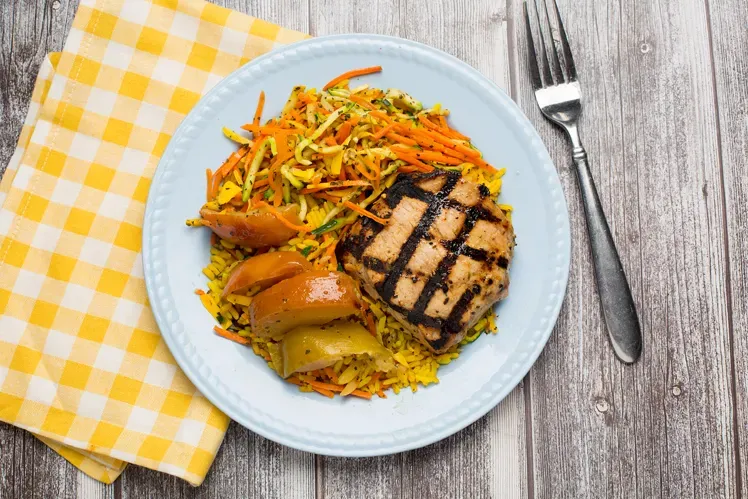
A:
{"x":167,"y":317}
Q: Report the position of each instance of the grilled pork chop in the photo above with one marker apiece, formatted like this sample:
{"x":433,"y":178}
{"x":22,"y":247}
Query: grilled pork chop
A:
{"x":442,"y":259}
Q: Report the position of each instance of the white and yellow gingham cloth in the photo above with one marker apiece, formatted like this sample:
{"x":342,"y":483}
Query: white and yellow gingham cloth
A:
{"x":82,"y":363}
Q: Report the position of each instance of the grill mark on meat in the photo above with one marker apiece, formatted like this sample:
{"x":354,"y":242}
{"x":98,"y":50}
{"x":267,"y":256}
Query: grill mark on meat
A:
{"x":428,"y":321}
{"x":483,"y":213}
{"x":423,"y":188}
{"x":453,"y":324}
{"x":478,"y":255}
{"x":405,"y":187}
{"x":375,"y":264}
{"x":438,"y":280}
{"x":409,"y":189}
{"x":357,"y":244}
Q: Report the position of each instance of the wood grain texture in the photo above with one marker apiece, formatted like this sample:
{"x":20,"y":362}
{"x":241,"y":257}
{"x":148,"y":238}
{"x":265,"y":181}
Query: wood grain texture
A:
{"x":666,"y":128}
{"x":729,"y":37}
{"x":247,"y":464}
{"x":663,"y":427}
{"x":29,"y":29}
{"x":475,"y":32}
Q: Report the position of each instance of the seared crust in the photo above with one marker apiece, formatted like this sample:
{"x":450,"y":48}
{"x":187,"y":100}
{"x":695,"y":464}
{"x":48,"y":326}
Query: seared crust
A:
{"x":440,"y":262}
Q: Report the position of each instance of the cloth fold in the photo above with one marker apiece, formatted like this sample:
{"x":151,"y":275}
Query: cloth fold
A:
{"x":82,"y":363}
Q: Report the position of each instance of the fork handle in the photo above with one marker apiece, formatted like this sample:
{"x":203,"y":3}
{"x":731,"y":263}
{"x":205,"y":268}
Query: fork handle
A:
{"x":615,"y":294}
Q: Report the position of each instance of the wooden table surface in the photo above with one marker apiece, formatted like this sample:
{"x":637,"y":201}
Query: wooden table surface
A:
{"x":665,"y":123}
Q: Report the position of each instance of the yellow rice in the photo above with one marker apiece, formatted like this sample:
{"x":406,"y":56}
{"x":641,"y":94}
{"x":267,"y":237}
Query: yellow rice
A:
{"x":415,"y":364}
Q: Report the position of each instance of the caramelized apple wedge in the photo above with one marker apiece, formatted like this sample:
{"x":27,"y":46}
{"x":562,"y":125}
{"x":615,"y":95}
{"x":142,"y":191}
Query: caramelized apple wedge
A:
{"x":258,"y":228}
{"x":309,"y":298}
{"x":307,"y":348}
{"x":265,"y":270}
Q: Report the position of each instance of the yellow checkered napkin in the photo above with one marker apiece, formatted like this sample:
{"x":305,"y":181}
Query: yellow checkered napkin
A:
{"x":82,"y":364}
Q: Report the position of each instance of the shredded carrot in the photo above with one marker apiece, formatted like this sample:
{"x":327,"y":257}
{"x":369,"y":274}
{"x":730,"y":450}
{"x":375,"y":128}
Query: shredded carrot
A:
{"x":230,"y":163}
{"x":343,"y":132}
{"x":399,"y":138}
{"x":326,"y":393}
{"x":467,"y":151}
{"x":340,"y":184}
{"x":260,"y":106}
{"x":199,"y":292}
{"x":363,"y":162}
{"x":305,"y":98}
{"x":208,"y":187}
{"x":350,"y":171}
{"x":362,"y":394}
{"x":352,"y":74}
{"x":261,"y":183}
{"x":429,"y":124}
{"x":265,"y":130}
{"x":381,"y":394}
{"x":281,"y":142}
{"x":331,"y":374}
{"x":382,"y":116}
{"x":426,"y":155}
{"x":383,"y":131}
{"x":282,"y":219}
{"x":414,"y":161}
{"x":365,"y":213}
{"x":294,"y":380}
{"x":231,"y":336}
{"x":362,"y":102}
{"x":325,"y":386}
{"x":213,"y":239}
{"x":274,"y":170}
{"x":345,"y":129}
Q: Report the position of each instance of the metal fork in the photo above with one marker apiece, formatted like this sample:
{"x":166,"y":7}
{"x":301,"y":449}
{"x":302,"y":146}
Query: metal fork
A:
{"x":559,"y":95}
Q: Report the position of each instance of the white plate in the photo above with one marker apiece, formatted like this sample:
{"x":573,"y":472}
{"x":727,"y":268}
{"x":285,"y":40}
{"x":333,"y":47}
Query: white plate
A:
{"x":240,"y":383}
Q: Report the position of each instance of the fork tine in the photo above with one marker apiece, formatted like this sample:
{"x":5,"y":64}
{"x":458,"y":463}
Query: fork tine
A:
{"x":537,"y":82}
{"x":544,"y":56}
{"x":571,"y":70}
{"x":558,"y":75}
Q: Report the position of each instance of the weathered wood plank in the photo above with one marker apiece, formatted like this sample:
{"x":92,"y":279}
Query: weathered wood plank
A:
{"x":248,"y":465}
{"x":29,"y":30}
{"x":663,"y":427}
{"x":488,"y":458}
{"x":729,"y":38}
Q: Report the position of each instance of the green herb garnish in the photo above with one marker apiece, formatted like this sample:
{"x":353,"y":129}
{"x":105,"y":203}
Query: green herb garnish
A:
{"x":326,"y":227}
